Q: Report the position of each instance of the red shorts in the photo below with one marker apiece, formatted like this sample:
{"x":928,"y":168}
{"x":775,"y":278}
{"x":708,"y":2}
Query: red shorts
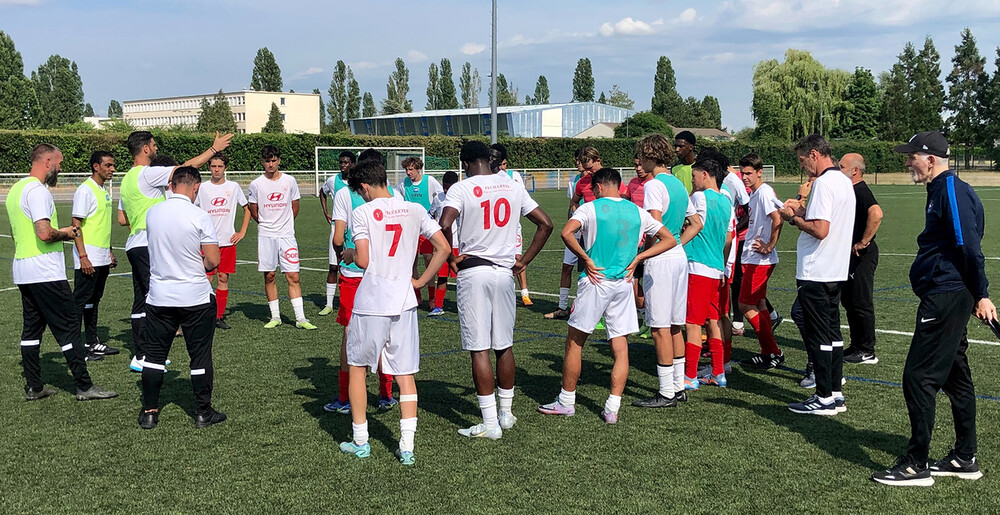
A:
{"x":227,"y":260}
{"x":703,"y":299}
{"x":753,"y":289}
{"x":348,"y":288}
{"x":445,"y":269}
{"x":425,"y":246}
{"x":724,"y":296}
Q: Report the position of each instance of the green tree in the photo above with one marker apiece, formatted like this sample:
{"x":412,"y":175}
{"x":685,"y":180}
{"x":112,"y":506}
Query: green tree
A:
{"x":274,"y":122}
{"x":990,"y":105}
{"x":396,"y":90}
{"x":115,"y":109}
{"x":353,"y":109}
{"x":322,"y":111}
{"x":796,"y":97}
{"x":470,"y":85}
{"x":642,"y":124}
{"x":666,"y":101}
{"x":18,"y":102}
{"x":619,"y":98}
{"x":711,"y":112}
{"x":59,"y":90}
{"x":602,"y":99}
{"x":266,"y":74}
{"x":338,"y":98}
{"x":896,"y":116}
{"x":446,"y":87}
{"x":860,"y":111}
{"x":965,"y":124}
{"x":433,"y":94}
{"x":507,"y":94}
{"x":927,"y":95}
{"x":368,"y":110}
{"x":541,"y":91}
{"x":583,"y":81}
{"x":216,"y":116}
{"x":88,"y":110}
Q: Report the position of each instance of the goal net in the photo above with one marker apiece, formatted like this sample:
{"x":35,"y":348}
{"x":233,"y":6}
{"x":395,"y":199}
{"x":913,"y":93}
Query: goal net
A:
{"x":328,"y":161}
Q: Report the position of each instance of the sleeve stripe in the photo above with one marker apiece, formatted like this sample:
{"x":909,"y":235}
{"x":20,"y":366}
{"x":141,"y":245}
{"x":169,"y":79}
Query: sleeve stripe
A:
{"x":955,"y":220}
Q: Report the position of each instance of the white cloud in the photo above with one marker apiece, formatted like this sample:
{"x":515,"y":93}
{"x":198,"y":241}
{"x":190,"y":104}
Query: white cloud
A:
{"x":471,"y":48}
{"x":800,"y":15}
{"x":312,"y":70}
{"x":629,"y":27}
{"x":416,"y":56}
{"x":363,"y":65}
{"x":687,"y":15}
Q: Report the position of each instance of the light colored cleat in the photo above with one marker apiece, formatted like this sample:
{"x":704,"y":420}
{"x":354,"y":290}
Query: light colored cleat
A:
{"x":271,"y":324}
{"x":481,"y":431}
{"x":406,"y":458}
{"x":714,"y":380}
{"x":690,"y":383}
{"x":326,"y":311}
{"x":135,"y":365}
{"x":526,"y":300}
{"x":305,"y":324}
{"x":361,"y":451}
{"x":557,"y":408}
{"x":608,"y":417}
{"x":436,"y":312}
{"x":507,"y":420}
{"x":645,"y":332}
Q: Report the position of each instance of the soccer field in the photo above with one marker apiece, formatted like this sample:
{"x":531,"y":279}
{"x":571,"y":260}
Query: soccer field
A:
{"x":725,"y":450}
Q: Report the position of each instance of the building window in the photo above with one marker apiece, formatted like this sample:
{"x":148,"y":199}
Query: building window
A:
{"x":282,"y":117}
{"x":282,"y":100}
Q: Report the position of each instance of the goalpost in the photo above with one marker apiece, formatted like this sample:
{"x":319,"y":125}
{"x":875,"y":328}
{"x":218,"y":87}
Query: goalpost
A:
{"x":327,"y":161}
{"x":768,"y":173}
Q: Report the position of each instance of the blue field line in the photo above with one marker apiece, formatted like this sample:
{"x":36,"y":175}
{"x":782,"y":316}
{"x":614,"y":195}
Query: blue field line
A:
{"x":883,"y":383}
{"x":892,"y":288}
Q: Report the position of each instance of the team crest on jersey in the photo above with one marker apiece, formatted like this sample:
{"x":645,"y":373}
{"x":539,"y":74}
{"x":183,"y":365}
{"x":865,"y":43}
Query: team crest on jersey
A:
{"x":378,"y":215}
{"x":219,"y":201}
{"x":477,"y":191}
{"x":275,"y":197}
{"x":292,"y":255}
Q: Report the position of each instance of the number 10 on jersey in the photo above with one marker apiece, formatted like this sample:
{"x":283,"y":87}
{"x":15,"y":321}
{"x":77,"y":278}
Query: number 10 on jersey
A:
{"x":500,"y":212}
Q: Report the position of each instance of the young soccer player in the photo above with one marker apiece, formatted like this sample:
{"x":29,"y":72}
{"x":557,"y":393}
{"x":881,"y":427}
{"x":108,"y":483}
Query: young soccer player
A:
{"x":486,"y":206}
{"x":383,"y":327}
{"x":346,"y":160}
{"x":569,"y":259}
{"x":437,"y":207}
{"x":220,"y":197}
{"x":420,"y":188}
{"x":499,"y":160}
{"x":611,"y":228}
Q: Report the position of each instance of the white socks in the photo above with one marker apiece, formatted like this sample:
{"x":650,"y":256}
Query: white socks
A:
{"x":666,"y":375}
{"x":407,"y":428}
{"x":488,"y":405}
{"x":273,"y":306}
{"x":678,"y":375}
{"x":300,"y":314}
{"x":613,"y":403}
{"x":567,"y":398}
{"x":524,"y":292}
{"x":331,"y":291}
{"x":361,"y":432}
{"x":563,"y":298}
{"x":506,"y":399}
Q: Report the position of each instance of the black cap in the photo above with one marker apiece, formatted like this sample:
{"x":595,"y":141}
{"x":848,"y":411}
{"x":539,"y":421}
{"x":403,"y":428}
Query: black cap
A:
{"x":930,"y":142}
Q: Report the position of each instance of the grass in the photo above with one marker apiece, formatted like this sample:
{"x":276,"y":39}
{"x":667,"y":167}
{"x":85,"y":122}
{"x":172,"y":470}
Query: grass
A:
{"x":736,"y":449}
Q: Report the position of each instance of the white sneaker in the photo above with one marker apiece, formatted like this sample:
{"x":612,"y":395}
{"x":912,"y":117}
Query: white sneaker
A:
{"x":136,"y":364}
{"x":507,"y":420}
{"x":481,"y":431}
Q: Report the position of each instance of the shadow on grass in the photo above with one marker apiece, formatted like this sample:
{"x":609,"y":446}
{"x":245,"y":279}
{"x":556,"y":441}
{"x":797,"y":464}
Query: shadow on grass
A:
{"x":258,"y":311}
{"x":544,"y":388}
{"x":176,"y":390}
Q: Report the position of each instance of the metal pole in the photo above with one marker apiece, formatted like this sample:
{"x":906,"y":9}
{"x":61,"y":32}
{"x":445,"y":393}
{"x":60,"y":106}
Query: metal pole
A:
{"x":493,"y":80}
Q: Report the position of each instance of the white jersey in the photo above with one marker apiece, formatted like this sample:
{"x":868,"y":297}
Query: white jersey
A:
{"x":342,"y":210}
{"x":220,"y":202}
{"x":437,"y":208}
{"x":153,"y":182}
{"x":827,"y":260}
{"x":763,"y":202}
{"x":656,"y":198}
{"x":392,"y":227}
{"x":84,"y":206}
{"x":274,"y":205}
{"x":739,"y":190}
{"x":489,"y":207}
{"x":37,"y":204}
{"x":731,"y":257}
{"x":177,"y":230}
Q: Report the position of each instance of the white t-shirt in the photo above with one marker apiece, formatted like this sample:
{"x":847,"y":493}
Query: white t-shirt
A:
{"x":393,"y":228}
{"x":274,"y":205}
{"x":342,"y":210}
{"x":731,"y":231}
{"x":656,"y":198}
{"x":763,"y":202}
{"x":177,"y":230}
{"x":220,"y":202}
{"x":153,"y":182}
{"x":437,"y":208}
{"x":587,"y":216}
{"x":827,"y":260}
{"x":37,"y":204}
{"x":739,"y":190}
{"x":84,"y":206}
{"x":328,"y":185}
{"x":489,"y":207}
{"x":433,"y":186}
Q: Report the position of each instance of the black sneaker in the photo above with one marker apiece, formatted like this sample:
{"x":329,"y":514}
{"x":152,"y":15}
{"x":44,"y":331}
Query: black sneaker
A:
{"x":212,"y":417}
{"x":100,"y":348}
{"x":681,"y":396}
{"x":813,"y":406}
{"x":149,"y":419}
{"x":221,"y":324}
{"x":32,"y":395}
{"x":764,"y":361}
{"x":94,"y":393}
{"x":906,"y":472}
{"x":656,"y":401}
{"x":860,"y":357}
{"x":775,"y":322}
{"x":93,"y":356}
{"x":953,"y":466}
{"x":809,"y":377}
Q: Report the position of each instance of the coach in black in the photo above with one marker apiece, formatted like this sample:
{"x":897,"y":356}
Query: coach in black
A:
{"x":182,"y":248}
{"x":858,"y":293}
{"x":949,"y":277}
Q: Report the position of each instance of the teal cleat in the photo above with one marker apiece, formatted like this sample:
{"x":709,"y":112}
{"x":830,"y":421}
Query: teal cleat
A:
{"x":406,"y":458}
{"x":361,"y":451}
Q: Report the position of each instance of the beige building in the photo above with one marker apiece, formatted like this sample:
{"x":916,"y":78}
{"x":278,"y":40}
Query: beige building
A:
{"x":299,"y":111}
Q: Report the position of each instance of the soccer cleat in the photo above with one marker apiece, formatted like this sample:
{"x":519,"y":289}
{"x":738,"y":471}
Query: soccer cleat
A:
{"x":386,"y":403}
{"x":221,"y":324}
{"x":809,"y":378}
{"x":326,"y":311}
{"x":840,"y":404}
{"x":305,"y":324}
{"x":656,"y":401}
{"x":861,"y":357}
{"x":690,"y":383}
{"x":557,"y":408}
{"x":559,"y":314}
{"x":813,"y":406}
{"x":436,"y":312}
{"x":609,"y":417}
{"x":953,"y":466}
{"x":706,"y":369}
{"x":738,"y":331}
{"x":136,"y":364}
{"x":271,"y":324}
{"x":337,"y":407}
{"x":149,"y":419}
{"x":100,"y":348}
{"x":94,"y":393}
{"x":681,"y":396}
{"x":91,"y":356}
{"x":406,"y":458}
{"x":526,"y":300}
{"x":600,"y":325}
{"x":776,"y":320}
{"x":210,"y":418}
{"x":360,"y":451}
{"x":714,"y":380}
{"x":764,"y":361}
{"x":645,"y":332}
{"x":507,"y":420}
{"x":906,"y":472}
{"x":32,"y":395}
{"x":481,"y":431}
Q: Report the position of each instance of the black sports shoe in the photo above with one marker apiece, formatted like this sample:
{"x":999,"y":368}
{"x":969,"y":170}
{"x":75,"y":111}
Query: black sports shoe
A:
{"x":100,"y":348}
{"x":681,"y":396}
{"x":906,"y":472}
{"x":32,"y":395}
{"x":221,"y":324}
{"x":953,"y":466}
{"x":93,"y":356}
{"x":775,"y":322}
{"x":656,"y":401}
{"x":764,"y":361}
{"x":149,"y":419}
{"x":210,"y":418}
{"x":94,"y":393}
{"x":860,"y":356}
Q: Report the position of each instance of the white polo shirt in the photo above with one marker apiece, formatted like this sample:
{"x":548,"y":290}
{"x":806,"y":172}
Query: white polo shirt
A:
{"x":274,"y":205}
{"x":176,"y":230}
{"x":827,"y":260}
{"x":221,"y":201}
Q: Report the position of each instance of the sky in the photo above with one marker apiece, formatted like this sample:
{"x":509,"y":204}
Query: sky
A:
{"x":136,"y":49}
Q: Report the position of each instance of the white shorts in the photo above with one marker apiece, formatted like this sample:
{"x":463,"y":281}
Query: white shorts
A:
{"x":520,"y":242}
{"x":333,"y":253}
{"x":665,"y":285}
{"x":569,"y":258}
{"x":395,"y":339}
{"x":611,"y":298}
{"x":274,"y":251}
{"x":486,"y":307}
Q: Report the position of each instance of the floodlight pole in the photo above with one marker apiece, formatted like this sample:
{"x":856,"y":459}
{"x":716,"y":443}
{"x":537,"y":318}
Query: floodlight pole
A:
{"x":493,"y":80}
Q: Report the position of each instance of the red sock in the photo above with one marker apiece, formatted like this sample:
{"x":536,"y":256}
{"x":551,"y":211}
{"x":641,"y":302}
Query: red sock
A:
{"x":691,"y":354}
{"x":416,"y":291}
{"x":221,"y":296}
{"x":439,"y":297}
{"x":384,"y":385}
{"x":727,"y":351}
{"x":344,"y":379}
{"x":431,"y":292}
{"x":715,"y":345}
{"x":766,"y":335}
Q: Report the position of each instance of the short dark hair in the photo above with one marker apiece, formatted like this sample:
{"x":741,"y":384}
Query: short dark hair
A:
{"x":97,"y":156}
{"x":449,"y":177}
{"x":185,"y":175}
{"x":752,"y":160}
{"x":711,"y":166}
{"x":269,"y":151}
{"x":367,"y":171}
{"x":687,"y":136}
{"x":41,"y":150}
{"x":606,"y":176}
{"x":371,"y":155}
{"x":714,"y":154}
{"x":220,"y":157}
{"x":474,"y":151}
{"x":137,"y":140}
{"x":578,"y":152}
{"x":501,"y":151}
{"x":348,"y":154}
{"x":163,"y":160}
{"x":813,"y":142}
{"x":413,"y":161}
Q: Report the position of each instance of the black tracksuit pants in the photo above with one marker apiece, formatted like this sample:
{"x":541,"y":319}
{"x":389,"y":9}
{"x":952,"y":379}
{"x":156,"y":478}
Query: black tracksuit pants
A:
{"x":858,"y":298}
{"x":138,"y":258}
{"x":198,"y":326}
{"x":88,"y":289}
{"x":51,"y":304}
{"x":820,"y":308}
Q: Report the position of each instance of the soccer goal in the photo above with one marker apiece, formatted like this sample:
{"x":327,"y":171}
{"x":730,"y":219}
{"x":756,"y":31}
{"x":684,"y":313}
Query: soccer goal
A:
{"x":768,"y":173}
{"x":328,"y":161}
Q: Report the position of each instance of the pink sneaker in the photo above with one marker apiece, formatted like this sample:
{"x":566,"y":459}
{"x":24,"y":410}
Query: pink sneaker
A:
{"x":610,"y":418}
{"x":557,"y":408}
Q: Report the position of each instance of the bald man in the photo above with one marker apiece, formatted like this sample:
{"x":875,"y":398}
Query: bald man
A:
{"x":858,"y":290}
